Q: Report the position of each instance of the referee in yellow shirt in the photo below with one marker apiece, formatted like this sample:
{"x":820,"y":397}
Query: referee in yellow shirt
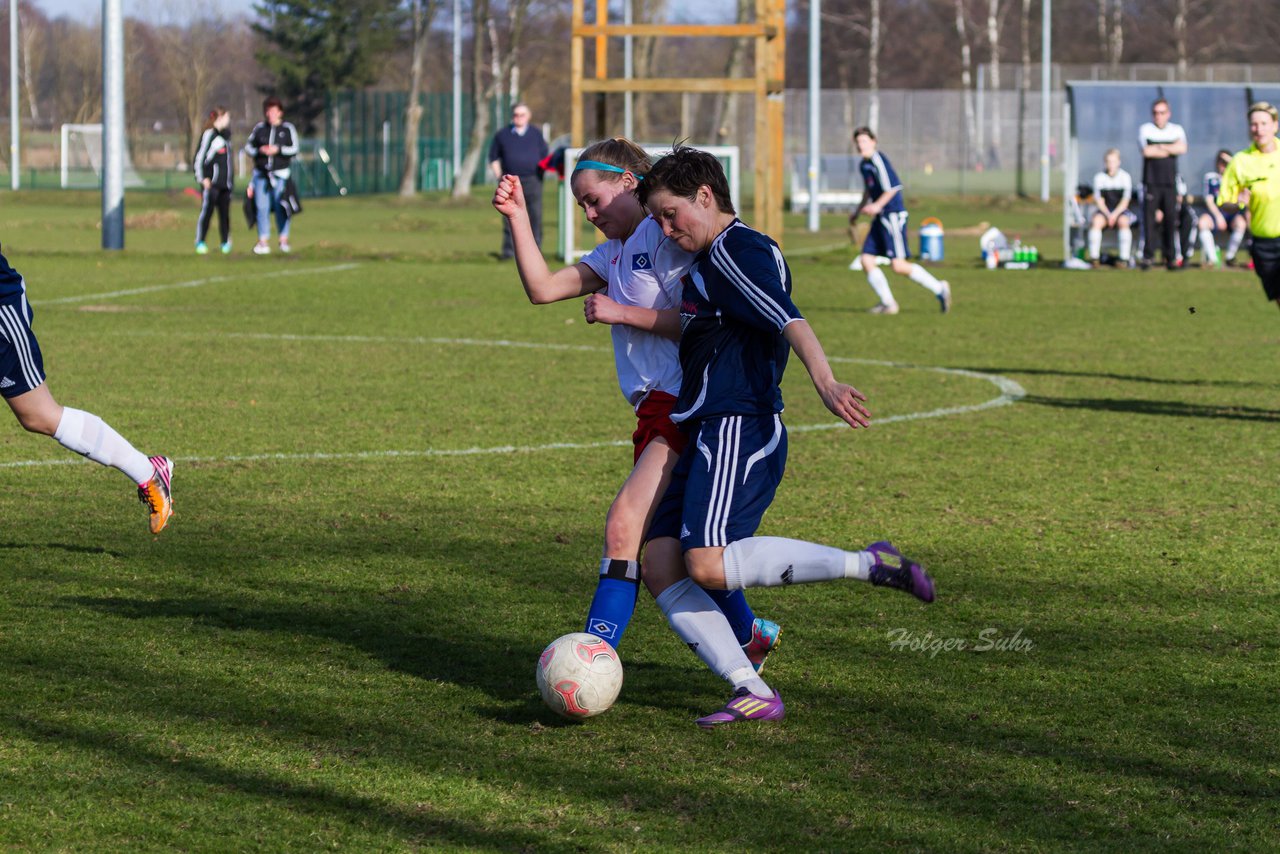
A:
{"x":1253,"y":179}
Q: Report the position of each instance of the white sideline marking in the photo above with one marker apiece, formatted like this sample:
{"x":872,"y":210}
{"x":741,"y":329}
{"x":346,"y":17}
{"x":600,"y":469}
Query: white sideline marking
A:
{"x":194,"y":283}
{"x":1010,"y":392}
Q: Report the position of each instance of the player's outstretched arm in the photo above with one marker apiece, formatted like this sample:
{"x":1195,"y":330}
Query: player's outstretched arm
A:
{"x":540,"y":284}
{"x":842,"y":399}
{"x":599,"y":308}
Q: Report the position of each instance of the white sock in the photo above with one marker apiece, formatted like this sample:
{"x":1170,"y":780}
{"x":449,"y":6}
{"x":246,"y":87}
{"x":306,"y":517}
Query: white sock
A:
{"x":90,"y":436}
{"x":923,"y":277}
{"x":1126,"y":243}
{"x":880,"y":284}
{"x":1095,"y":243}
{"x":697,"y":621}
{"x":1206,"y":243}
{"x":776,"y":561}
{"x":1233,"y":245}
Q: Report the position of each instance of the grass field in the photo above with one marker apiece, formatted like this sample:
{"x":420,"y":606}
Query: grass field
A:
{"x":391,"y":478}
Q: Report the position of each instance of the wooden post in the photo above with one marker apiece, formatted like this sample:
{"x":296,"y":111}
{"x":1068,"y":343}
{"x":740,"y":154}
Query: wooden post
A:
{"x":575,"y":76}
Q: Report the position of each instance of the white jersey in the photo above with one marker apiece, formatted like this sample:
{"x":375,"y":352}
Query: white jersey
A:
{"x":643,"y":271}
{"x":1113,"y":189}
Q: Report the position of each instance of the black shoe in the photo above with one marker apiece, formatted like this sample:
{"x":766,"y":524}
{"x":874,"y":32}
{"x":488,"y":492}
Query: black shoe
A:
{"x":1172,"y":268}
{"x":1144,"y":264}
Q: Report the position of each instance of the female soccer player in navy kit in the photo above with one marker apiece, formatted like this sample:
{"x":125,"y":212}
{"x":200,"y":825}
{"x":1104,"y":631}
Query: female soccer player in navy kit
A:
{"x":23,"y":386}
{"x":739,"y":324}
{"x":631,"y":282}
{"x":882,"y":201}
{"x":215,"y":172}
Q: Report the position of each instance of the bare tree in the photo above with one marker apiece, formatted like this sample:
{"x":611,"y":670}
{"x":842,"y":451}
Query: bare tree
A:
{"x":966,"y":72}
{"x":1024,"y":84}
{"x":994,"y":25}
{"x":1117,"y":35}
{"x":646,"y":60}
{"x":483,"y":92}
{"x":724,"y":114}
{"x":1180,"y":38}
{"x":420,"y":19}
{"x":873,"y":66}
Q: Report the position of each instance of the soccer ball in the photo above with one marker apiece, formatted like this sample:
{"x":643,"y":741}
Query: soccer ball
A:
{"x":579,"y":675}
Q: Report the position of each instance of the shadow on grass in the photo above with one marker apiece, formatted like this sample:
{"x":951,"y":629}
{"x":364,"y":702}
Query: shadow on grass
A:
{"x":414,"y":821}
{"x":1157,"y":407}
{"x":66,"y":547}
{"x":1133,"y":378}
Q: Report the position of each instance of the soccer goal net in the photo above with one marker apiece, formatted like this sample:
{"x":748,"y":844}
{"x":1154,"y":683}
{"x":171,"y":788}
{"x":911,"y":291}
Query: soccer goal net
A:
{"x":82,"y":159}
{"x":574,"y":241}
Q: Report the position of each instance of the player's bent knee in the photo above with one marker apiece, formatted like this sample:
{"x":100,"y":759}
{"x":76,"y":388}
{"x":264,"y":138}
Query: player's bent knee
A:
{"x":706,"y":567}
{"x":662,"y":565}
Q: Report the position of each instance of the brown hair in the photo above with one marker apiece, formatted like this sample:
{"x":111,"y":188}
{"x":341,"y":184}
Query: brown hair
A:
{"x":864,"y":131}
{"x":272,"y":101}
{"x":213,"y":116}
{"x":682,"y":172}
{"x":620,"y":152}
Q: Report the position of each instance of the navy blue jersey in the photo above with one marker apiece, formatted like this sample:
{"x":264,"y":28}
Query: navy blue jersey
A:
{"x":736,"y":300}
{"x":878,"y":175}
{"x":10,"y":280}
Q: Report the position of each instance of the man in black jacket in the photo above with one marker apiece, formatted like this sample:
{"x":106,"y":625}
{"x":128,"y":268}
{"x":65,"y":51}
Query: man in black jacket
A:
{"x":517,"y":150}
{"x":273,"y":143}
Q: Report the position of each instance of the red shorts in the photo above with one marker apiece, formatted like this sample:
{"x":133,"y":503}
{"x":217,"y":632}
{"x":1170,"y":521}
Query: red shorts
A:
{"x":653,"y":420}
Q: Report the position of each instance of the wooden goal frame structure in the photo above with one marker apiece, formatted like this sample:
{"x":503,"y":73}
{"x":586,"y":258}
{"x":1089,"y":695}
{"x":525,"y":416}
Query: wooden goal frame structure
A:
{"x":767,"y":35}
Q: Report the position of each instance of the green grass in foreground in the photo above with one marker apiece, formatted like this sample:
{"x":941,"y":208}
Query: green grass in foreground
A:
{"x":338,"y":652}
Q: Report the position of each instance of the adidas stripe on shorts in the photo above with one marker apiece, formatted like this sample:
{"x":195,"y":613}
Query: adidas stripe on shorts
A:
{"x":21,"y":365}
{"x":723,"y":482}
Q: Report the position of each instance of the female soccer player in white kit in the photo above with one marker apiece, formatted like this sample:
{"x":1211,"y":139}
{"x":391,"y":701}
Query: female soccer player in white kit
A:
{"x":631,"y":282}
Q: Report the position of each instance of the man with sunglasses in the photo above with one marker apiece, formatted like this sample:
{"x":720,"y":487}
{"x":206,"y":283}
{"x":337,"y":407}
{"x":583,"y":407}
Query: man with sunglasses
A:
{"x":1161,"y":141}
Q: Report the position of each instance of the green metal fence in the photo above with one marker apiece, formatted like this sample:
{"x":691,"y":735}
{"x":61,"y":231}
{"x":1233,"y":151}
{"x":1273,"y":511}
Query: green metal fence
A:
{"x":363,"y":140}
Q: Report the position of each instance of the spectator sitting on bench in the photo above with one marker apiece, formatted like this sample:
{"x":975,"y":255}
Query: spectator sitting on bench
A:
{"x":1112,"y":192}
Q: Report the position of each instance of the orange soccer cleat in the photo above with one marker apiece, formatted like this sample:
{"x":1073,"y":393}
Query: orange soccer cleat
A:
{"x":155,"y":493}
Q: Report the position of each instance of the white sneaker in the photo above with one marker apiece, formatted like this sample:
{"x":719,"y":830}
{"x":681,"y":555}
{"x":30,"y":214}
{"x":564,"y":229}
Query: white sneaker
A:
{"x":944,"y":298}
{"x":284,"y":246}
{"x":891,"y":308}
{"x":261,"y":248}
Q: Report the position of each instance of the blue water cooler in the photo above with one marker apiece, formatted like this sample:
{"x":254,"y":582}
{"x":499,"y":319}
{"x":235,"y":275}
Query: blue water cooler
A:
{"x":931,"y":235}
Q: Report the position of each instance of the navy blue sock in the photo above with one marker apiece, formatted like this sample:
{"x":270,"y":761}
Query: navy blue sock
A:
{"x":615,"y":599}
{"x":736,"y":610}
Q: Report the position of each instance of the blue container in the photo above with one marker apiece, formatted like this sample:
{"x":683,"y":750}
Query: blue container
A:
{"x":931,"y":235}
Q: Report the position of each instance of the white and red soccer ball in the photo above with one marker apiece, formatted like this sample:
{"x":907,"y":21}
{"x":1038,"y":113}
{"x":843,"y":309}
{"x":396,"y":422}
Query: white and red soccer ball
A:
{"x":579,"y":675}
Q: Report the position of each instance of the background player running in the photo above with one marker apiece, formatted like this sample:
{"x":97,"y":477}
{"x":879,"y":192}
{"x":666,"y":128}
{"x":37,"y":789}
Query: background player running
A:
{"x":632,"y":282}
{"x":882,"y":201}
{"x":1112,"y":192}
{"x":739,"y":327}
{"x":23,"y":386}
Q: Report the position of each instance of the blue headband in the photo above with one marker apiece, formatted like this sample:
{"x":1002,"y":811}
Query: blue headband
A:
{"x":603,"y":167}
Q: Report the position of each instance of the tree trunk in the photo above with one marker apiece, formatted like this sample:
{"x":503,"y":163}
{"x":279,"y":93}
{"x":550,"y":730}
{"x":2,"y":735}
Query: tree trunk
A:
{"x":966,"y":77}
{"x":1117,"y":35}
{"x":1104,"y":49}
{"x":477,"y":146}
{"x":873,"y":68}
{"x":1180,"y":38}
{"x":993,"y":39}
{"x":724,"y":113}
{"x":1024,"y":86}
{"x":423,"y":11}
{"x":646,"y":54}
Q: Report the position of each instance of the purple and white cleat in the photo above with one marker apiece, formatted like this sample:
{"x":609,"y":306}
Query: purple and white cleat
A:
{"x":746,"y":706}
{"x":901,"y":573}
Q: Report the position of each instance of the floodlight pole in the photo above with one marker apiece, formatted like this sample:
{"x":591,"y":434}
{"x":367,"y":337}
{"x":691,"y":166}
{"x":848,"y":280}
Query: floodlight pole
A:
{"x":1046,"y":30}
{"x":14,"y":179}
{"x":112,"y":124}
{"x":457,"y":88}
{"x":815,"y":98}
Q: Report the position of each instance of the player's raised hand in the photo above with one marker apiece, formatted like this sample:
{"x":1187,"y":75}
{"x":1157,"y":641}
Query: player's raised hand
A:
{"x":845,"y":402}
{"x":509,"y":197}
{"x":599,"y":308}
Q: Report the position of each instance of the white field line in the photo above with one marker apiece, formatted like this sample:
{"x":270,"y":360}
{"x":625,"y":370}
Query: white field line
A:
{"x":1010,"y":392}
{"x":194,"y":283}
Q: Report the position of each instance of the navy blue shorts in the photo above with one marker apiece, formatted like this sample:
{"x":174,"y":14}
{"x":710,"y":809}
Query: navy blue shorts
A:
{"x":888,"y":236}
{"x":723,"y":482}
{"x":21,"y":365}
